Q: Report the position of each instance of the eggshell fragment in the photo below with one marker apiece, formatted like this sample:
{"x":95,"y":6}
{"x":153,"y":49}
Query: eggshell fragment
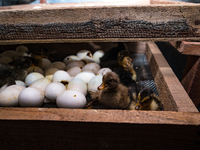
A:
{"x":74,"y":71}
{"x":5,"y":59}
{"x":9,"y":53}
{"x":97,"y":55}
{"x":18,"y":82}
{"x":70,"y":58}
{"x":53,"y":90}
{"x":21,"y":48}
{"x":40,"y":84}
{"x":85,"y":76}
{"x":103,"y":71}
{"x":93,"y":67}
{"x":71,"y":99}
{"x":94,"y":83}
{"x":83,"y":53}
{"x":61,"y":75}
{"x":9,"y":96}
{"x":77,"y":85}
{"x":30,"y":78}
{"x":87,"y":60}
{"x":31,"y":97}
{"x":75,"y":63}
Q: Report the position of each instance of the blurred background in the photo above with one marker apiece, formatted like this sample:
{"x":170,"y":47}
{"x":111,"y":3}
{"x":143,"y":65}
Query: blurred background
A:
{"x":19,"y":2}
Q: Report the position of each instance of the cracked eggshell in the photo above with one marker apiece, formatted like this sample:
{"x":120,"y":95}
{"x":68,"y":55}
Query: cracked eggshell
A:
{"x":31,"y":97}
{"x":97,"y":55}
{"x":103,"y":71}
{"x":41,"y":84}
{"x":94,"y":83}
{"x":30,"y":78}
{"x":71,"y":99}
{"x":85,"y":76}
{"x":43,"y":63}
{"x":19,"y":82}
{"x":75,"y":63}
{"x":69,"y":59}
{"x":83,"y":53}
{"x":74,"y":71}
{"x":77,"y":85}
{"x":61,"y":75}
{"x":93,"y":67}
{"x":53,"y":90}
{"x":35,"y":69}
{"x":87,"y":60}
{"x":9,"y":96}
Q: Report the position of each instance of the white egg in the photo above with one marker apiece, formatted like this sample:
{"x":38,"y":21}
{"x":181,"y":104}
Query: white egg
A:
{"x":21,"y":48}
{"x":5,"y":59}
{"x":58,"y":64}
{"x":103,"y":71}
{"x":35,"y":69}
{"x":85,"y":76}
{"x":43,"y":63}
{"x":18,"y":82}
{"x":71,"y":99}
{"x":83,"y":53}
{"x":77,"y":85}
{"x":74,"y":71}
{"x":53,"y":90}
{"x":70,"y":58}
{"x":51,"y":71}
{"x":9,"y":53}
{"x":31,"y":97}
{"x":97,"y":55}
{"x":94,"y":83}
{"x":9,"y":96}
{"x":61,"y":75}
{"x":30,"y":78}
{"x":75,"y":63}
{"x":41,"y":84}
{"x":93,"y":67}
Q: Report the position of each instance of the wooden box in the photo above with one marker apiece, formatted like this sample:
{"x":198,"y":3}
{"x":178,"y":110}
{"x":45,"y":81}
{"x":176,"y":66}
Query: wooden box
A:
{"x":178,"y":127}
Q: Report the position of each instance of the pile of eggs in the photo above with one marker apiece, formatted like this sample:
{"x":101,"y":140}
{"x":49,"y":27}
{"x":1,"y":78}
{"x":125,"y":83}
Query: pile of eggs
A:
{"x":64,"y":83}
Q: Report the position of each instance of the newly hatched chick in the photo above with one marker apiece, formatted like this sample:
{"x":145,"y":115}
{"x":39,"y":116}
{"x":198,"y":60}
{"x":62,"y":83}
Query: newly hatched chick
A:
{"x":147,"y":100}
{"x":125,"y":62}
{"x":112,"y":93}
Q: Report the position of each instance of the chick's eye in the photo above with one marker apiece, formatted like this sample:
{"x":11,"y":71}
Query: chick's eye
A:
{"x":110,"y":80}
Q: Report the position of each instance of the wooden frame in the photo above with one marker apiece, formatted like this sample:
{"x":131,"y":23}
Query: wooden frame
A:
{"x":176,"y":128}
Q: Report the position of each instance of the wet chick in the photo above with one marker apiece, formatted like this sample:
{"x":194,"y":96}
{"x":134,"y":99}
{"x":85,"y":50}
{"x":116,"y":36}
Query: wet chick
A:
{"x":112,"y":93}
{"x":147,"y":100}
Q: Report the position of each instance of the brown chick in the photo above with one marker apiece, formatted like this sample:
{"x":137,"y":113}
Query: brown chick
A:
{"x":112,"y":93}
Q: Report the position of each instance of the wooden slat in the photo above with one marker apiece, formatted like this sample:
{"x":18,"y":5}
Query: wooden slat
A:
{"x":189,"y":48}
{"x":170,"y":89}
{"x":47,"y":14}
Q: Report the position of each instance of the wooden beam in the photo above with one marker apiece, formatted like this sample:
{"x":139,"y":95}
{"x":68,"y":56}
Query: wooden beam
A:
{"x":173,"y":95}
{"x":189,"y":48}
{"x":191,"y":82}
{"x":137,"y":22}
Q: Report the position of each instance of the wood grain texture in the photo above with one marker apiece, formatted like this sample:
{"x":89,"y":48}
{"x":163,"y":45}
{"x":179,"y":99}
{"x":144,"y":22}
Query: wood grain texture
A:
{"x":173,"y":95}
{"x":47,"y":14}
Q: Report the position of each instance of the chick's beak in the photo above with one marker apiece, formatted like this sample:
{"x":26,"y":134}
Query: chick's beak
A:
{"x":138,"y":106}
{"x":102,"y":86}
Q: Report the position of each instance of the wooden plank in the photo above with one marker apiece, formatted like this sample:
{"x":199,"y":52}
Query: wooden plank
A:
{"x":137,"y":22}
{"x":167,"y":2}
{"x":189,"y":48}
{"x":173,"y":95}
{"x":100,"y":115}
{"x":59,"y":129}
{"x":191,"y":82}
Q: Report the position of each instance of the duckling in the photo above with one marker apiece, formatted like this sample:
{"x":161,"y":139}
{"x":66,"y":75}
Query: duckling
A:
{"x":147,"y":100}
{"x":111,"y":93}
{"x":125,"y":62}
